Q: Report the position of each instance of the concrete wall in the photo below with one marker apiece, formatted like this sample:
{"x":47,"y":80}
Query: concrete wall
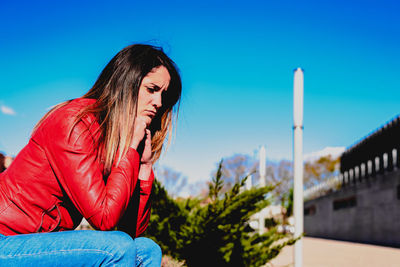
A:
{"x":372,"y":214}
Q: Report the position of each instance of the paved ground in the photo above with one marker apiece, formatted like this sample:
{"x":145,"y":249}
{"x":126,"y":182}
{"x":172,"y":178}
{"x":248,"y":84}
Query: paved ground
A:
{"x":329,"y":253}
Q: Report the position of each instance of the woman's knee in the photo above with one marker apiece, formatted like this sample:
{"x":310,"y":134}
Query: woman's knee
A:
{"x":122,"y":247}
{"x":122,"y":241}
{"x":148,"y":251}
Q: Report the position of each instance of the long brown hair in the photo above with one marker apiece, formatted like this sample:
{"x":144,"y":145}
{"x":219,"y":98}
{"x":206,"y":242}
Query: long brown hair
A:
{"x":116,"y":92}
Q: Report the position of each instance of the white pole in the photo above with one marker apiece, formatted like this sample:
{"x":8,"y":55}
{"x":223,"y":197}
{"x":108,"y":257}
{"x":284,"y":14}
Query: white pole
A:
{"x":262,"y":165}
{"x":298,"y":91}
{"x":248,"y":182}
{"x":261,"y":224}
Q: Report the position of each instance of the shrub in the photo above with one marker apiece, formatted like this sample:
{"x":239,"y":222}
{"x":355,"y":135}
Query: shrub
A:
{"x":215,"y":231}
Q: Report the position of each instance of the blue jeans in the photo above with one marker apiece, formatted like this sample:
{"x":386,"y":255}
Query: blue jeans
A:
{"x":78,"y":248}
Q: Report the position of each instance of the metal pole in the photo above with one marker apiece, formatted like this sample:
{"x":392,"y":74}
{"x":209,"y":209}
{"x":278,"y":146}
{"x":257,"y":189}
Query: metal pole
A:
{"x":249,"y":182}
{"x":298,"y":91}
{"x":262,"y":166}
{"x":262,"y":184}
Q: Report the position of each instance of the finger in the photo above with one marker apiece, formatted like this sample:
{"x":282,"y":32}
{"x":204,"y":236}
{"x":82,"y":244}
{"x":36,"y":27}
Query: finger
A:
{"x":139,"y":132}
{"x":148,"y":133}
{"x":142,"y":124}
{"x":148,"y":138}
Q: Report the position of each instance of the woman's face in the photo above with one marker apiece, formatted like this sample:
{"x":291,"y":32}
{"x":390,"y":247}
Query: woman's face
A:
{"x":150,"y":93}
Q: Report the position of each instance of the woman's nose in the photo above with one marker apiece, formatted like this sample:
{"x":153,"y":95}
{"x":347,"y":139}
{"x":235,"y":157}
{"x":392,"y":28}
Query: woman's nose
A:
{"x":157,"y":101}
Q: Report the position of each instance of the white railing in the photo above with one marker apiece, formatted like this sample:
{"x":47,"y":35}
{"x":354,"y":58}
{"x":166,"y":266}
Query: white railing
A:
{"x":329,"y":185}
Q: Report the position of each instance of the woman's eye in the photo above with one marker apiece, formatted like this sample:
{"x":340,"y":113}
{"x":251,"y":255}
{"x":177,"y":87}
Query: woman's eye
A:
{"x":151,"y":89}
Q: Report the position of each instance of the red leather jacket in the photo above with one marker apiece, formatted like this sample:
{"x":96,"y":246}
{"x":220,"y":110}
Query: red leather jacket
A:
{"x":56,"y":179}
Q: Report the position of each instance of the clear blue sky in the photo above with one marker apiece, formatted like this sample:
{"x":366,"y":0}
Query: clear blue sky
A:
{"x":236,"y":60}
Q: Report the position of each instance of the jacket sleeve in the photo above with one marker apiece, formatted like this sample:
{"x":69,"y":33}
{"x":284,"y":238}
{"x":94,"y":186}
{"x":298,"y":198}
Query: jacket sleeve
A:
{"x":74,"y":161}
{"x":135,"y":220}
{"x":144,"y":204}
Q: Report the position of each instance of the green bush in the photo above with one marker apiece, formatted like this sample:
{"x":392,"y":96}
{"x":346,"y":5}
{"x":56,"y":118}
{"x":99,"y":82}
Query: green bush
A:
{"x":214,"y":231}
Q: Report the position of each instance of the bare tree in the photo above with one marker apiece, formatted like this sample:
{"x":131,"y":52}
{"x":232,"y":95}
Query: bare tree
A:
{"x":173,"y":181}
{"x":235,"y":168}
{"x":238,"y":166}
{"x":318,"y":170}
{"x":280,"y":174}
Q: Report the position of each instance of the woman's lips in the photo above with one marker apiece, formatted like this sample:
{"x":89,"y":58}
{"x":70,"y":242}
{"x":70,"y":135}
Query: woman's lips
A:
{"x":150,"y":113}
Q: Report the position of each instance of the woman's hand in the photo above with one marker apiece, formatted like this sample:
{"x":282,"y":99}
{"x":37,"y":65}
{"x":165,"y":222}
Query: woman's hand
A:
{"x":139,"y":132}
{"x":146,"y":155}
{"x":145,"y":160}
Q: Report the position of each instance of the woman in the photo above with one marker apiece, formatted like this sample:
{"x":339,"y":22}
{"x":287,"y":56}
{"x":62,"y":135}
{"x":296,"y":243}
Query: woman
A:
{"x":92,"y":157}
